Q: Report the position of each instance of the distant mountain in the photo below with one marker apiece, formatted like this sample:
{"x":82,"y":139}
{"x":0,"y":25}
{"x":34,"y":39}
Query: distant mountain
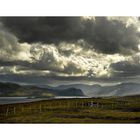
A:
{"x":88,"y":90}
{"x":12,"y":90}
{"x":69,"y":92}
{"x":123,"y":89}
{"x":8,"y":87}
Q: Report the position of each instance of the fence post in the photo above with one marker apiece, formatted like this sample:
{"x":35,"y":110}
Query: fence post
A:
{"x":102,"y":106}
{"x":91,"y":104}
{"x":7,"y":110}
{"x":22,"y":108}
{"x":76,"y":104}
{"x":60,"y":104}
{"x":67,"y":104}
{"x":112,"y":106}
{"x":14,"y":110}
{"x":30,"y":108}
{"x":97,"y":105}
{"x":82,"y":104}
{"x":40,"y":108}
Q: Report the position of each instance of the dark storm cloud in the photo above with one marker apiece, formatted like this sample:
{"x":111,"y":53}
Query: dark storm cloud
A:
{"x":104,"y":35}
{"x":57,"y":80}
{"x":125,"y":69}
{"x":67,"y":48}
{"x":14,"y":63}
{"x":112,"y":36}
{"x":42,"y":29}
{"x":32,"y":79}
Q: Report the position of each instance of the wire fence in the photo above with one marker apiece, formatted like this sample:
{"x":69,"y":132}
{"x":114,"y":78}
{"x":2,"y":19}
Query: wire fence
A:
{"x":15,"y":109}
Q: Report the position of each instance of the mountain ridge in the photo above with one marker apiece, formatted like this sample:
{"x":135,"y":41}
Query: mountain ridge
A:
{"x":95,"y":90}
{"x":8,"y":89}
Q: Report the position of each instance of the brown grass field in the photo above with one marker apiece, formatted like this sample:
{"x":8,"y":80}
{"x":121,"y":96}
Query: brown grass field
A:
{"x":93,"y":110}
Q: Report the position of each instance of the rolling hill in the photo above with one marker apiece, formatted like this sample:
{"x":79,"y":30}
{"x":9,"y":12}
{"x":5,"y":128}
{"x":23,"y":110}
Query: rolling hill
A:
{"x":15,"y":90}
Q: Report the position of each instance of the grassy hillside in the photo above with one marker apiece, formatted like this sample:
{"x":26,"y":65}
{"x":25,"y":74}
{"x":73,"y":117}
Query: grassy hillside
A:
{"x":95,"y":110}
{"x":15,"y":90}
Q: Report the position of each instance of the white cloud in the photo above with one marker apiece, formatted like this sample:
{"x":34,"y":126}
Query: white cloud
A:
{"x":69,"y":59}
{"x":64,"y":59}
{"x":10,"y":48}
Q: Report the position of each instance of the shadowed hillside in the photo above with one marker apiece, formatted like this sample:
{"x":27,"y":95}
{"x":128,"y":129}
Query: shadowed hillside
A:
{"x":15,"y":90}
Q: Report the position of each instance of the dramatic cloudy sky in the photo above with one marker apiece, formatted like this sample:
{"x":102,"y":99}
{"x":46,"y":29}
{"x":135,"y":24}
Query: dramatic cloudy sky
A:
{"x":60,"y":50}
